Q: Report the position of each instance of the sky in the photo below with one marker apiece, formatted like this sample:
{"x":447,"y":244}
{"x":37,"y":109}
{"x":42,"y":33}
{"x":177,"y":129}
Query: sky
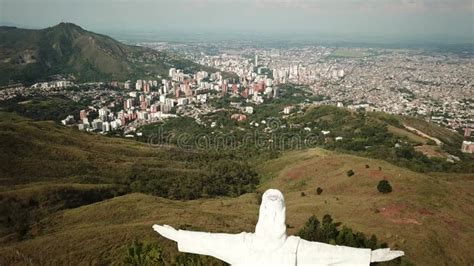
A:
{"x":430,"y":20}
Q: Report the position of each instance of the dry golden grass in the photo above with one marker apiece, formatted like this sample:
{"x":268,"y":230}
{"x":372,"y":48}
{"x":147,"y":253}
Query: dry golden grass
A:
{"x":428,"y":217}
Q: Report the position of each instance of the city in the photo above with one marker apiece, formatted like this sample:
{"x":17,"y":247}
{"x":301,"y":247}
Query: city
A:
{"x":436,"y":87}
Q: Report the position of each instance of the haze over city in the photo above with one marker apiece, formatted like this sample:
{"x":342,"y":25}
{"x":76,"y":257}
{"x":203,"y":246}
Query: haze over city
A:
{"x":383,"y":21}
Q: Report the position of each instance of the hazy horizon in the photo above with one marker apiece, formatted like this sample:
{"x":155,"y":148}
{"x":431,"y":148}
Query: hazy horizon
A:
{"x":349,"y":20}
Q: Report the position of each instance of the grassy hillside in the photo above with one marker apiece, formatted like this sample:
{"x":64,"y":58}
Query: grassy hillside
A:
{"x":430,"y":218}
{"x":448,"y":137}
{"x":46,"y":167}
{"x":66,"y":197}
{"x":38,"y":151}
{"x":370,"y":134}
{"x":27,"y":56}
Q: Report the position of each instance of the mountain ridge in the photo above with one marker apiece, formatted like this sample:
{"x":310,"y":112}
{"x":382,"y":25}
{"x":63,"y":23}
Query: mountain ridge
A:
{"x":66,"y":49}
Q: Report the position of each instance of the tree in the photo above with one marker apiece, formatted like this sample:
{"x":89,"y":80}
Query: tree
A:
{"x":350,"y":173}
{"x":310,"y":231}
{"x":384,"y":186}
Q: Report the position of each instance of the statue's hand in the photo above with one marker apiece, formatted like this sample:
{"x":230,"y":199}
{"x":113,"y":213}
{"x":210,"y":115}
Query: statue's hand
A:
{"x":385,"y":254}
{"x":166,"y":231}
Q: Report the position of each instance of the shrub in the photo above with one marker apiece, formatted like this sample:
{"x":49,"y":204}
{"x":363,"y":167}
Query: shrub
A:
{"x":384,"y":187}
{"x":350,"y":173}
{"x":187,"y":259}
{"x":140,"y":254}
{"x":319,"y":191}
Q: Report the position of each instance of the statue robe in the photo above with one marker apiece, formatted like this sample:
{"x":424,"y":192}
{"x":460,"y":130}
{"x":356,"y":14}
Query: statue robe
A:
{"x":249,"y":249}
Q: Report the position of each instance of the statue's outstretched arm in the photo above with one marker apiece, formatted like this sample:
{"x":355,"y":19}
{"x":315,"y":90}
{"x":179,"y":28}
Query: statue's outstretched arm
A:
{"x":385,"y":254}
{"x":311,"y":253}
{"x":225,"y":247}
{"x":315,"y":252}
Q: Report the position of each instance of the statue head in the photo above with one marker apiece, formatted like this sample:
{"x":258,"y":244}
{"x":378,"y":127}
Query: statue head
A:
{"x":271,"y":220}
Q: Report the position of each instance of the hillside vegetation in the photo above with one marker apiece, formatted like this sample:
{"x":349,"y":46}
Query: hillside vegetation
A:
{"x":66,"y":197}
{"x":429,"y":218}
{"x":370,"y":134}
{"x":27,"y":56}
{"x":46,"y":167}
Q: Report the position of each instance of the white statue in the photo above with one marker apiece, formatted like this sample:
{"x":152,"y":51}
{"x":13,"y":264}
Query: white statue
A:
{"x":270,"y":245}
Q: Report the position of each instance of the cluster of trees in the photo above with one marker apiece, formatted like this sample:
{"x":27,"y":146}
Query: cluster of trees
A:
{"x":45,"y":108}
{"x":17,"y":214}
{"x":328,"y":232}
{"x":222,"y":178}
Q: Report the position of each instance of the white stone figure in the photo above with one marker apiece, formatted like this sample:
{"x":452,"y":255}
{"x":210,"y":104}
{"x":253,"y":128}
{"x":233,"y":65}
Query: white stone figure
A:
{"x":270,"y":245}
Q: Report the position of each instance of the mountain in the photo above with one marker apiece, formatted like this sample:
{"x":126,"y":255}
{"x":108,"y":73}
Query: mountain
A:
{"x":29,"y":55}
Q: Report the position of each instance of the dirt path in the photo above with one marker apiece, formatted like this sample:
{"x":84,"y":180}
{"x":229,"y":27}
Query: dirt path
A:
{"x":412,"y":129}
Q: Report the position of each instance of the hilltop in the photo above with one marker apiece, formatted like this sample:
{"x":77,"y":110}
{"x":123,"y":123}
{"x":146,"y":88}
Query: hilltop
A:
{"x":67,"y":49}
{"x":430,"y":218}
{"x":70,"y":200}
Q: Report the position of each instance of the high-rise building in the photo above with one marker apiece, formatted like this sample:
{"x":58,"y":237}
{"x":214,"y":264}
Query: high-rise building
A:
{"x":127,"y":84}
{"x":235,"y":89}
{"x":103,"y":112}
{"x":153,"y":108}
{"x":467,"y":147}
{"x":467,"y":132}
{"x":245,"y":93}
{"x":162,"y":98}
{"x":256,"y":60}
{"x":172,"y":72}
{"x":106,"y":127}
{"x":138,"y":85}
{"x":187,"y":90}
{"x":128,"y":103}
{"x":83,"y":114}
{"x":276,"y":92}
{"x":177,"y":92}
{"x":143,"y":105}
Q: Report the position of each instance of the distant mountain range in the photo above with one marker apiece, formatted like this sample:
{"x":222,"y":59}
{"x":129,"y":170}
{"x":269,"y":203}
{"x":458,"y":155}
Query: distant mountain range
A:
{"x":28,"y":56}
